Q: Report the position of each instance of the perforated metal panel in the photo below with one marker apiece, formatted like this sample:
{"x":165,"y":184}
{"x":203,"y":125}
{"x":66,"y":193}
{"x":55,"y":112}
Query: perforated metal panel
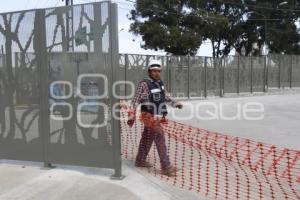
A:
{"x":56,"y":75}
{"x":195,"y":76}
{"x":295,"y":71}
{"x":20,"y":133}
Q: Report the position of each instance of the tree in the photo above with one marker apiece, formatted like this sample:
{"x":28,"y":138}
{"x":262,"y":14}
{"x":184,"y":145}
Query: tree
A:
{"x":224,"y":23}
{"x":276,"y":25}
{"x":180,"y":26}
{"x":167,"y":25}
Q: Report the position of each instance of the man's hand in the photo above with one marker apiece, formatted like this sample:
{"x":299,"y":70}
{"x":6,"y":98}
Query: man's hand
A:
{"x":163,"y":119}
{"x":131,"y":118}
{"x":178,"y":105}
{"x":130,"y":122}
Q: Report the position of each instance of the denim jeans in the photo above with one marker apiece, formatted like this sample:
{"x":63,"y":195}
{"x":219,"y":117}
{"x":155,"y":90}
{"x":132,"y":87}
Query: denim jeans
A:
{"x":148,"y":136}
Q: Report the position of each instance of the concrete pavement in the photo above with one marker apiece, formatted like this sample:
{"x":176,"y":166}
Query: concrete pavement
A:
{"x":28,"y":180}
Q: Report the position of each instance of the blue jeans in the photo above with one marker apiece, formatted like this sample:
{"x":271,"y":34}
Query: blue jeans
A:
{"x":148,"y":136}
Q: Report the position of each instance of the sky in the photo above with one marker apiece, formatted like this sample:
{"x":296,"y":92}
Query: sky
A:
{"x":128,"y":43}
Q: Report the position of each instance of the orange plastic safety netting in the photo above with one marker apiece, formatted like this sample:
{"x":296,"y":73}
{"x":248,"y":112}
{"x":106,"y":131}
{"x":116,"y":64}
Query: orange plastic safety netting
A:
{"x":216,"y":165}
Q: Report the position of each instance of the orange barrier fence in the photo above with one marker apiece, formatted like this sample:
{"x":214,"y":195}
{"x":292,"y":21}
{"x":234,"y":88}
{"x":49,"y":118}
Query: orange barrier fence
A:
{"x":219,"y":166}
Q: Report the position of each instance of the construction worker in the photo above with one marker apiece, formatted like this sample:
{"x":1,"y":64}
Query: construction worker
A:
{"x":153,"y":97}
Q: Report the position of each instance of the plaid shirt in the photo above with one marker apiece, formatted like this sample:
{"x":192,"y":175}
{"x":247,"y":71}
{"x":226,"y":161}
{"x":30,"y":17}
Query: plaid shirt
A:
{"x":142,"y":95}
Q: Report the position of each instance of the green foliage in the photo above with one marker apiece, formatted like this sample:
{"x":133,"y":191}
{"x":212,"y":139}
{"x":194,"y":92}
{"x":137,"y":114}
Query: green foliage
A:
{"x":180,"y":26}
{"x":166,"y":25}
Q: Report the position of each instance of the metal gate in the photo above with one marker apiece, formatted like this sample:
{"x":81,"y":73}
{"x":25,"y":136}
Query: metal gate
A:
{"x":56,"y":75}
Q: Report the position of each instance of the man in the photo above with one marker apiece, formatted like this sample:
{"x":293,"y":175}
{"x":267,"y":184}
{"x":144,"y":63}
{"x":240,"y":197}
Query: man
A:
{"x":153,"y":97}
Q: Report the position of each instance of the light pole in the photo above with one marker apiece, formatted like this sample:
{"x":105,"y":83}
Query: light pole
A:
{"x":265,"y":30}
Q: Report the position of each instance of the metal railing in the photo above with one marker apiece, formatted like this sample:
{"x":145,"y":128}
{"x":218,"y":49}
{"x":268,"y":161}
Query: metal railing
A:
{"x":187,"y":76}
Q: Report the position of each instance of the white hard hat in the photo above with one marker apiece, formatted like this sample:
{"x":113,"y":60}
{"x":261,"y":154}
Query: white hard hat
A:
{"x":154,"y":64}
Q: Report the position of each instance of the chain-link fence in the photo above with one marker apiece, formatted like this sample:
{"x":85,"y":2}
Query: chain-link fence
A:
{"x":187,"y":76}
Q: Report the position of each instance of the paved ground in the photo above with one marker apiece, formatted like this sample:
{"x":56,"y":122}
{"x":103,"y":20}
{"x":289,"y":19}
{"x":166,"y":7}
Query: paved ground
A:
{"x":27,"y":180}
{"x":279,"y":126}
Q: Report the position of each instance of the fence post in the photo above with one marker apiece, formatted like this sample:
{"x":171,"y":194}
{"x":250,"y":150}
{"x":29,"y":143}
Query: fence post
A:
{"x":205,"y":77}
{"x":220,"y":77}
{"x":115,"y":122}
{"x":147,"y":60}
{"x":251,"y":74}
{"x":238,"y":76}
{"x":126,"y":68}
{"x":189,"y":65}
{"x":223,"y":61}
{"x":41,"y":60}
{"x":265,"y":74}
{"x":279,"y":73}
{"x":168,"y":74}
{"x":291,"y":72}
{"x":17,"y":74}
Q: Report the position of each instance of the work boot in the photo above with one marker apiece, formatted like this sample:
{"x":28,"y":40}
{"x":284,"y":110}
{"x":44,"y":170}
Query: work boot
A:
{"x":171,"y":171}
{"x":143,"y":164}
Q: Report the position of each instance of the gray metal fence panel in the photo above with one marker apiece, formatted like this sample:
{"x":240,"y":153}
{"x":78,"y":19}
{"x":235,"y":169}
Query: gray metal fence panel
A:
{"x":295,"y":73}
{"x":285,"y":66}
{"x":257,"y":74}
{"x":70,"y":50}
{"x":137,"y":68}
{"x":213,"y":74}
{"x":81,"y":139}
{"x":25,"y":76}
{"x":179,"y":76}
{"x":197,"y":76}
{"x":282,"y":71}
{"x":122,"y":75}
{"x":273,"y":66}
{"x":231,"y":65}
{"x":245,"y":74}
{"x":20,"y":133}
